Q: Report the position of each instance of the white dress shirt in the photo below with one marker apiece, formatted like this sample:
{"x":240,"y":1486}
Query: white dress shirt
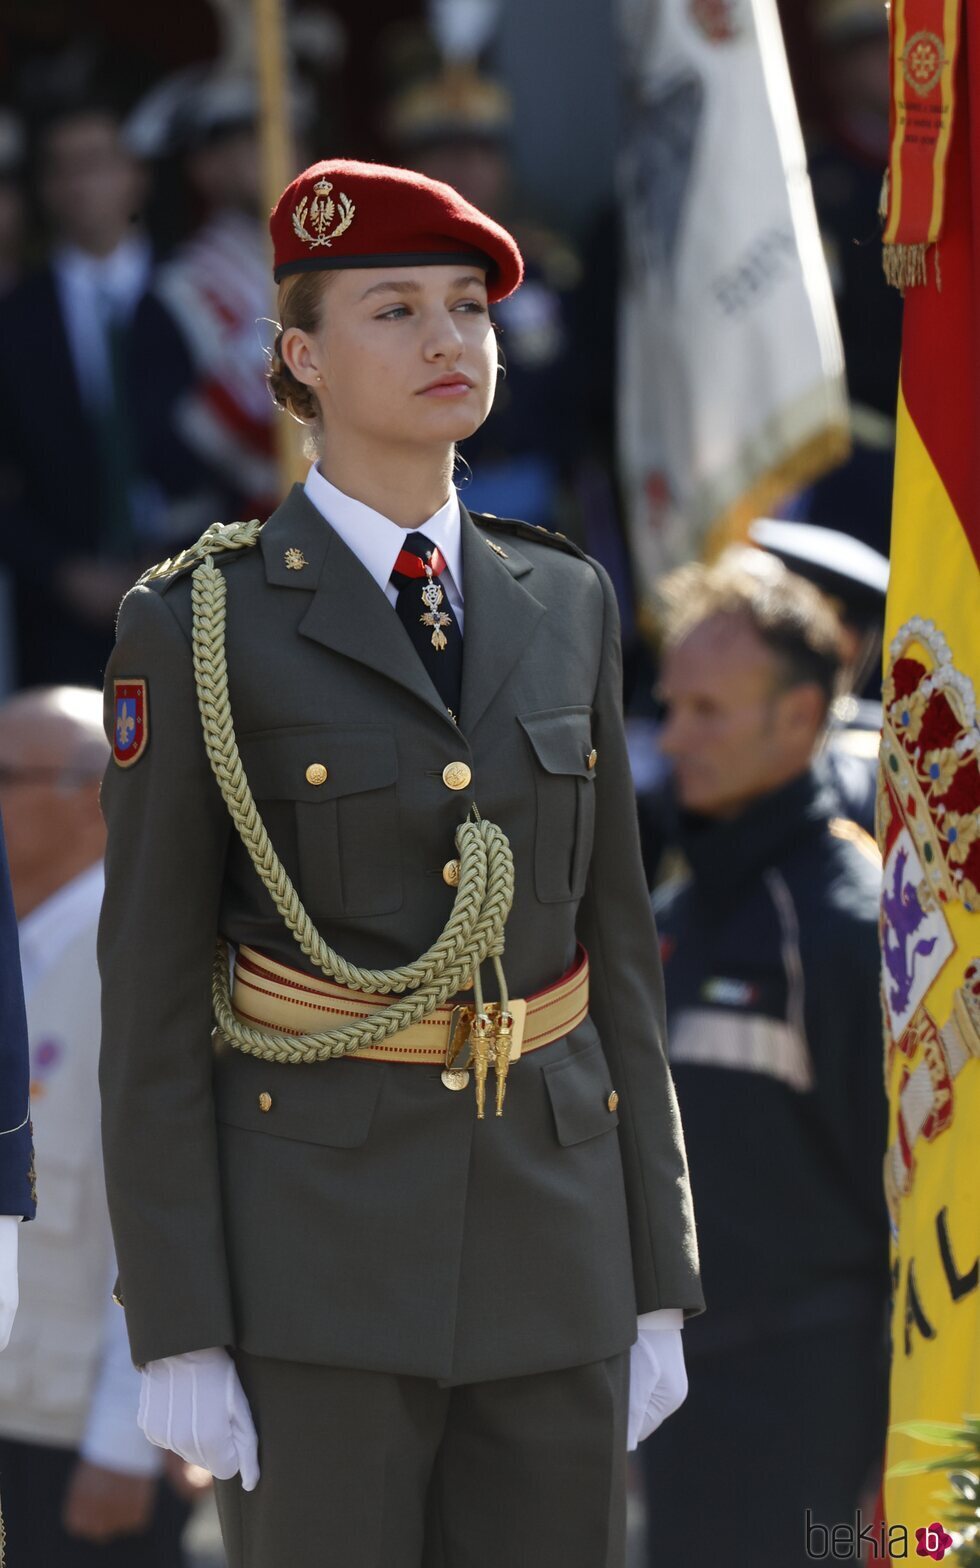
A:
{"x":90,"y":1398}
{"x":376,"y":540}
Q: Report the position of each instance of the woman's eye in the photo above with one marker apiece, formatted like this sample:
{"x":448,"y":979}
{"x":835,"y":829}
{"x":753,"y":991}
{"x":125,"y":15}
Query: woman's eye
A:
{"x":394,"y":314}
{"x":472,"y":306}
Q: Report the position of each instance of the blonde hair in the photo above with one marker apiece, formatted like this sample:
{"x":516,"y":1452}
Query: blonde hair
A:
{"x":300,"y":305}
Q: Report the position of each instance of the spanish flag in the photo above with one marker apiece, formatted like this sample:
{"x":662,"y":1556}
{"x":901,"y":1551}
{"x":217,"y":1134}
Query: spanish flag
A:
{"x":929,"y":788}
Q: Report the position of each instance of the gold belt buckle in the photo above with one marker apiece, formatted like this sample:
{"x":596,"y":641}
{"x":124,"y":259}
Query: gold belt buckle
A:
{"x":461,"y":1025}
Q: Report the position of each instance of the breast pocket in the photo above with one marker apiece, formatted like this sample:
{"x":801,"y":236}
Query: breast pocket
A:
{"x":564,"y":780}
{"x":334,"y":792}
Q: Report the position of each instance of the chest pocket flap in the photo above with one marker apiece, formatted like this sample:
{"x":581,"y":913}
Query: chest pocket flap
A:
{"x":561,"y":742}
{"x":276,"y":762}
{"x":561,"y":739}
{"x":329,"y":799}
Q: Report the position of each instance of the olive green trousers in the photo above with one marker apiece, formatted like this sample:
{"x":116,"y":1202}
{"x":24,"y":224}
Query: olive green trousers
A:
{"x":372,"y":1470}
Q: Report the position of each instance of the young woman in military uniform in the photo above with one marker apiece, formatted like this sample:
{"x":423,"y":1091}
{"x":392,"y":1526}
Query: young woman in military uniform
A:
{"x":384,"y":1239}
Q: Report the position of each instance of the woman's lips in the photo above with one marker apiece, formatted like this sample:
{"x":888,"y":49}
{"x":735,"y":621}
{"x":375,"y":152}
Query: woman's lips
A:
{"x":447,"y":389}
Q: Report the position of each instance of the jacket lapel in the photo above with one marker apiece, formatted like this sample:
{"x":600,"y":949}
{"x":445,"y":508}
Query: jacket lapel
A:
{"x":348,"y":612}
{"x":501,"y":617}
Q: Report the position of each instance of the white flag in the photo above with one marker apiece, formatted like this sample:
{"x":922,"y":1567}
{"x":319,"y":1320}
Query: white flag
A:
{"x":731,"y":384}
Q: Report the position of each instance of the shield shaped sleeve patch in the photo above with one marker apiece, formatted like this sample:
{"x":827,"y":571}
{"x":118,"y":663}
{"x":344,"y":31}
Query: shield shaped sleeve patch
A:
{"x":132,"y":724}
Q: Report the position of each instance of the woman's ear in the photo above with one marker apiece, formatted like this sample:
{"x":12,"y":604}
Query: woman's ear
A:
{"x":297,"y":353}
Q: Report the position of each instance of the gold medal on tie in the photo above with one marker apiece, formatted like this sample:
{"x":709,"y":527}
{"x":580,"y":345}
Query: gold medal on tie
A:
{"x":434,"y":617}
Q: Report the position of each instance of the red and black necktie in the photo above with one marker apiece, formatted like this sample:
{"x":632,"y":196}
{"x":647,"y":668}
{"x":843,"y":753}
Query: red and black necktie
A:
{"x":423,"y":611}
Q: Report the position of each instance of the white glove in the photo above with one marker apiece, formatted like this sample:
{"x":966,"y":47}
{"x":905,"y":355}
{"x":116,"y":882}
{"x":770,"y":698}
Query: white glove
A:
{"x":658,"y":1380}
{"x":9,"y":1293}
{"x":194,"y":1405}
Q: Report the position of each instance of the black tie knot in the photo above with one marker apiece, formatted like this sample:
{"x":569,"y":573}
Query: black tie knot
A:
{"x":418,"y":546}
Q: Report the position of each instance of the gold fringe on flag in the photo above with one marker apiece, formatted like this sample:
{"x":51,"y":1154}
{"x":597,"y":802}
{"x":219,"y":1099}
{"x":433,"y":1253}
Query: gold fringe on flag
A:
{"x":905,"y":265}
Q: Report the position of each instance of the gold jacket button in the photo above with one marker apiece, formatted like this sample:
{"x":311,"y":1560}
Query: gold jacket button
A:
{"x":612,"y":1101}
{"x":456,"y":775}
{"x":454,"y":1080}
{"x":592,"y":759}
{"x":450,"y":873}
{"x":316,"y":773}
{"x":265,"y":1102}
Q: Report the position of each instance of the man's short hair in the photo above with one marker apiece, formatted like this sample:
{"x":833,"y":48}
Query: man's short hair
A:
{"x":787,"y":614}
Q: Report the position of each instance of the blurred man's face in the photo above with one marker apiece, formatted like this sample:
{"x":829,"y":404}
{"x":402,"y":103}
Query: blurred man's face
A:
{"x":91,"y":187}
{"x":730,"y":732}
{"x":49,"y":810}
{"x":226,"y":172}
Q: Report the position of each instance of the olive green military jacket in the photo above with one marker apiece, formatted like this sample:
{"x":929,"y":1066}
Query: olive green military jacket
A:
{"x":369,"y":1220}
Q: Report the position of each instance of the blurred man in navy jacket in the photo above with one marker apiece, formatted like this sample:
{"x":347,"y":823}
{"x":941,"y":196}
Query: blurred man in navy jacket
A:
{"x":91,"y":470}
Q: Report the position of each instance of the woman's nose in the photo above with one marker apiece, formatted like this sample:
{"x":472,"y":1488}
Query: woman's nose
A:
{"x":444,"y":339}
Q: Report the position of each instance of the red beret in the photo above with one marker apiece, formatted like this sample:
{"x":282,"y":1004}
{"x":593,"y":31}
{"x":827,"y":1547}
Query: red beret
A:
{"x":345,"y":214}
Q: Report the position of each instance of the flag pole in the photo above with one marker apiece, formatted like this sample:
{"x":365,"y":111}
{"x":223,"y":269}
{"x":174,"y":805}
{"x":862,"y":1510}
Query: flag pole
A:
{"x":277,"y":169}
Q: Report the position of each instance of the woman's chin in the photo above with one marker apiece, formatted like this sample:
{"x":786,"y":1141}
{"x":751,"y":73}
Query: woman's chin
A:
{"x":449,"y":424}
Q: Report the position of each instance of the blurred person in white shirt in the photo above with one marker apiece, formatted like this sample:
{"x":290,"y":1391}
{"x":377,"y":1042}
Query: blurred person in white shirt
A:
{"x":80,"y":1483}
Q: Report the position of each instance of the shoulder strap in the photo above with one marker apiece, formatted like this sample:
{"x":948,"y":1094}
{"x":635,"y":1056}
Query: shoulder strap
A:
{"x":219,"y":537}
{"x":513,"y":525}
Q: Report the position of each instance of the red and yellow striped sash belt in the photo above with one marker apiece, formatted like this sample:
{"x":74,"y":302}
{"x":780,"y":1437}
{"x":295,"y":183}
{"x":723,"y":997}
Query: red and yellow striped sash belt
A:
{"x":274,"y":996}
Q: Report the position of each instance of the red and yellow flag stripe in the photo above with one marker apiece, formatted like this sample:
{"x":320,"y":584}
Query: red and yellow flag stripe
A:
{"x":929,"y":796}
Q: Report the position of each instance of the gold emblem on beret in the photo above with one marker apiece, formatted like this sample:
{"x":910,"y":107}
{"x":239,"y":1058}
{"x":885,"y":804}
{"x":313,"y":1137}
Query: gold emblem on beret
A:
{"x":321,"y":210}
{"x":295,"y":560}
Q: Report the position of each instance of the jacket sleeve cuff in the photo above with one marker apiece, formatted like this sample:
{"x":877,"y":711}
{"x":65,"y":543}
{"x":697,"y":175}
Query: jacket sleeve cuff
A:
{"x":665,"y":1317}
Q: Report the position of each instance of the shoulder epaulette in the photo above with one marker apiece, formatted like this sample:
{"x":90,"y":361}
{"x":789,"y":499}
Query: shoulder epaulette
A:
{"x":513,"y":525}
{"x":214,"y":541}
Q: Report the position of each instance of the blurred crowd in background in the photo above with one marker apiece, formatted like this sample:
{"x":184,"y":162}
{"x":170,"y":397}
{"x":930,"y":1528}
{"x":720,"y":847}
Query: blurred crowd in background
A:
{"x":135,"y":305}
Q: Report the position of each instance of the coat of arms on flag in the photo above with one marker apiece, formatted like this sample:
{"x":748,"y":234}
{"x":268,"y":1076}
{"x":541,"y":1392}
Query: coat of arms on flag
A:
{"x":131,"y":729}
